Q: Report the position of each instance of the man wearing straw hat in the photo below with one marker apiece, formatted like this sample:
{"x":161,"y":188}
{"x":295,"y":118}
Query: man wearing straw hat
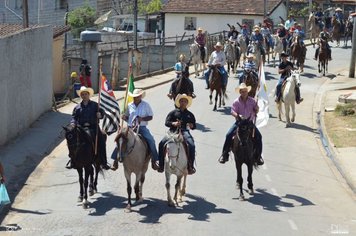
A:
{"x":217,"y":58}
{"x":86,"y":114}
{"x":138,"y":113}
{"x":246,"y":107}
{"x":183,"y":120}
{"x":339,"y":15}
{"x":258,"y":38}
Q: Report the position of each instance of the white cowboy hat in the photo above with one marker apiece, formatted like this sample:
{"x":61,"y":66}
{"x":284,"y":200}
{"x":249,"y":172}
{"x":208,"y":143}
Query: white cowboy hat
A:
{"x":256,"y":28}
{"x":200,"y":29}
{"x":281,"y":25}
{"x":338,"y":9}
{"x":182,"y":57}
{"x":218,"y":44}
{"x":183,"y":96}
{"x":85,"y":89}
{"x":241,"y":87}
{"x":137,"y":92}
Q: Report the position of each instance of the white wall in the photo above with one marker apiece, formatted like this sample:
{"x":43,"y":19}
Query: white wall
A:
{"x":174,"y":23}
{"x":26,"y":79}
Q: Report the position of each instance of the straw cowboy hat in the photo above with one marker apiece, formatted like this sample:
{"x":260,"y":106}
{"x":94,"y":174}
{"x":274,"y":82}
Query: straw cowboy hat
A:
{"x":85,"y":89}
{"x":74,"y":74}
{"x":182,"y":57}
{"x":281,"y":25}
{"x":183,"y":96}
{"x":137,"y":93}
{"x":200,"y":29}
{"x":338,"y":9}
{"x":256,"y":28}
{"x":218,"y":44}
{"x":250,"y":56}
{"x":242,"y":86}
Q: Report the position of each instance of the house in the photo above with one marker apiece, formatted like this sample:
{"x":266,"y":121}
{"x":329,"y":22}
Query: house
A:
{"x":185,"y":16}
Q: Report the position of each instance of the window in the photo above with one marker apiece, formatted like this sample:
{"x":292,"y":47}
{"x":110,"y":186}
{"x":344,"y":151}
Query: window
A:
{"x":190,"y":23}
{"x":61,"y":4}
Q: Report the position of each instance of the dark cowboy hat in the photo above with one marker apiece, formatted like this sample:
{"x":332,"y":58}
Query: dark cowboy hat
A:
{"x":283,"y":54}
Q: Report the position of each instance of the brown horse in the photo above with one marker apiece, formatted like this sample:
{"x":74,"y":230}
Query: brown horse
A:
{"x":215,"y":83}
{"x":298,"y":51}
{"x":336,"y":31}
{"x":250,"y":79}
{"x":133,"y":151}
{"x":323,"y":57}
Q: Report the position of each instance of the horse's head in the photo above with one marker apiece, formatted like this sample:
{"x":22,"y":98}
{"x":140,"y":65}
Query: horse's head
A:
{"x":122,"y":140}
{"x":77,"y":140}
{"x":194,"y":49}
{"x":296,"y":77}
{"x":244,"y":132}
{"x":311,"y":18}
{"x":173,"y":149}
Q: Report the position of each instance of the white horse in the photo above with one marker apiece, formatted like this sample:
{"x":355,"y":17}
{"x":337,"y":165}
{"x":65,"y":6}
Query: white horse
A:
{"x":195,"y":58}
{"x":175,"y":163}
{"x":314,"y":29}
{"x":255,"y":50}
{"x":288,"y":97}
{"x":134,"y":153}
{"x":231,"y":54}
{"x":278,"y":48}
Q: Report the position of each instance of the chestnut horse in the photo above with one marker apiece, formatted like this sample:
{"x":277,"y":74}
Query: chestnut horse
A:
{"x":323,"y":57}
{"x":298,"y":51}
{"x":314,"y":29}
{"x":133,"y":151}
{"x":215,"y":83}
{"x":336,"y":31}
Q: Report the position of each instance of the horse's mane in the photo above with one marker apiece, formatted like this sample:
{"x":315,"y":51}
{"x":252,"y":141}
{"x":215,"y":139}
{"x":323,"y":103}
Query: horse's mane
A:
{"x":176,"y":136}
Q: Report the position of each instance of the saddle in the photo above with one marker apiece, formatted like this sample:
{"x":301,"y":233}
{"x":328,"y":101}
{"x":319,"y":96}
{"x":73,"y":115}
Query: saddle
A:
{"x":185,"y":145}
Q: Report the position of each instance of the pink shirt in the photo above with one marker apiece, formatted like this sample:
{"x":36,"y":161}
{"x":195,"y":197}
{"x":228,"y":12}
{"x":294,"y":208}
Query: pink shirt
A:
{"x":244,"y":108}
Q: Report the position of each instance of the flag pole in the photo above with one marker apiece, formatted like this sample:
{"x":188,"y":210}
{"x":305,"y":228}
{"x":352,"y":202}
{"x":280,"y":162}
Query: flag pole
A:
{"x":127,"y":89}
{"x":256,"y":97}
{"x":97,"y":119}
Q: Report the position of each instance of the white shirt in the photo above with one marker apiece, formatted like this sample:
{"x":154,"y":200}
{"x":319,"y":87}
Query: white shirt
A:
{"x":217,"y":58}
{"x":142,"y":110}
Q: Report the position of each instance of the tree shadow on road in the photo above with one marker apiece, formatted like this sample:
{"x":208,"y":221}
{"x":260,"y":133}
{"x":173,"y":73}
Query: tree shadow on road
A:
{"x":198,"y":208}
{"x":272,"y":202}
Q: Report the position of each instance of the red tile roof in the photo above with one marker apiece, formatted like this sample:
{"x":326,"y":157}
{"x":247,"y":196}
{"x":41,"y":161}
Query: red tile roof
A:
{"x":233,"y":7}
{"x":8,"y":29}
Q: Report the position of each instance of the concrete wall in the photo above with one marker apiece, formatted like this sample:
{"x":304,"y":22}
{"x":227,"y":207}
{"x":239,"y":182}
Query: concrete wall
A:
{"x":60,"y":79}
{"x":26,"y":79}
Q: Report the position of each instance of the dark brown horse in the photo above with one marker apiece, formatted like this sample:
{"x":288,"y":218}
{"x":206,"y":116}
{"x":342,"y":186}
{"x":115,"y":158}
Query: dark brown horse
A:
{"x":250,"y":79}
{"x":243,"y":149}
{"x":323,"y":57}
{"x":298,"y":52}
{"x":336,"y":31}
{"x":215,"y":83}
{"x":81,"y":152}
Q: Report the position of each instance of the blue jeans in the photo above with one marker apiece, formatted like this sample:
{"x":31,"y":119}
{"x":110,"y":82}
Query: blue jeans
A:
{"x":223,"y":73}
{"x":279,"y":87}
{"x":144,"y":131}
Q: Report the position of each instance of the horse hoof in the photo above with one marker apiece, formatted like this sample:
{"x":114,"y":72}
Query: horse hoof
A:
{"x":292,"y":120}
{"x":127,"y":209}
{"x":171,"y":204}
{"x":80,"y":199}
{"x":91,"y":192}
{"x":251,"y":192}
{"x":288,"y":125}
{"x":242,"y":198}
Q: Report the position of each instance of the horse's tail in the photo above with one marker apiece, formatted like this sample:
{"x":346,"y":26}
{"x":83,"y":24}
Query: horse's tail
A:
{"x":279,"y":106}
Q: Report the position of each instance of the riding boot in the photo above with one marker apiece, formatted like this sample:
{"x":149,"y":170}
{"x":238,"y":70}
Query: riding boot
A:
{"x":224,"y":157}
{"x":190,"y":167}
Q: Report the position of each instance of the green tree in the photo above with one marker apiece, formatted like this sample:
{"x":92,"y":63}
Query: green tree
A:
{"x":81,"y":18}
{"x":153,"y":6}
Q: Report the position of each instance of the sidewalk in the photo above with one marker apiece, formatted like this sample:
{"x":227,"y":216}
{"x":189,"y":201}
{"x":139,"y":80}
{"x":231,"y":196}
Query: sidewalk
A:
{"x":343,"y":158}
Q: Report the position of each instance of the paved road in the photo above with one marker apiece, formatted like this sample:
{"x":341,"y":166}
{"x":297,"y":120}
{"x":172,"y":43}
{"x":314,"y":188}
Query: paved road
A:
{"x":298,"y":190}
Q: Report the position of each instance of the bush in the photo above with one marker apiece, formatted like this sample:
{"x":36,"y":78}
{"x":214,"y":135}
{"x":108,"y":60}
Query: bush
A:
{"x":345,"y":109}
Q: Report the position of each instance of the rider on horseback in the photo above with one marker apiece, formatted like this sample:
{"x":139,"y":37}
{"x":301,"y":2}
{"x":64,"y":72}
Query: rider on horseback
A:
{"x":339,"y":15}
{"x":289,"y":22}
{"x":245,"y":33}
{"x":180,"y":65}
{"x":319,"y":18}
{"x":200,"y":40}
{"x":246,"y":107}
{"x":283,"y":34}
{"x":137,"y":115}
{"x":249,"y":66}
{"x":324,"y":36}
{"x":182,"y":85}
{"x":258,"y":38}
{"x":180,"y":118}
{"x":285,"y":68}
{"x":232,"y":32}
{"x":266,"y":33}
{"x":217,"y":58}
{"x":86,"y":114}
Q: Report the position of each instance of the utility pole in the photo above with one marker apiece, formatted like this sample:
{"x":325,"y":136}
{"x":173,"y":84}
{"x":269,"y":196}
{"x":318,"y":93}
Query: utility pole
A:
{"x":135,"y":24}
{"x":353,"y":52}
{"x":25,"y":13}
{"x":310,"y":6}
{"x":264,"y":9}
{"x":287,"y":6}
